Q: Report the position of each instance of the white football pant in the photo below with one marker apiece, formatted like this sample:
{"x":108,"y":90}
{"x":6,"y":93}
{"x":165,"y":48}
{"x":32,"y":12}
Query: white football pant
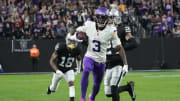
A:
{"x":57,"y":77}
{"x":112,"y":78}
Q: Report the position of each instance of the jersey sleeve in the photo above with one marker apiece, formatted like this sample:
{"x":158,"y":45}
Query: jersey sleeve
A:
{"x":115,"y":39}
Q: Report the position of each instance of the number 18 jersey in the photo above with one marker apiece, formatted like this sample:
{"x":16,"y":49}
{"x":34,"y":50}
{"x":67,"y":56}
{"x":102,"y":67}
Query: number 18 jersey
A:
{"x":98,"y":40}
{"x":66,"y":58}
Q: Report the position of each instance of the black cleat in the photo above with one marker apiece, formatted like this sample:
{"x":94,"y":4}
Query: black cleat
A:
{"x":131,"y":90}
{"x":48,"y":91}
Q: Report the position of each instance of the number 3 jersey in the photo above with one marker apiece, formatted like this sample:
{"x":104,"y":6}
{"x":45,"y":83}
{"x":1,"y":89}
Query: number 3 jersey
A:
{"x":66,"y":58}
{"x":98,"y":40}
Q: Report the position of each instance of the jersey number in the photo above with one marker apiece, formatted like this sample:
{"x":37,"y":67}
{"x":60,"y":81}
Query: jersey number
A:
{"x":97,"y":46}
{"x":127,"y":29}
{"x":68,"y":63}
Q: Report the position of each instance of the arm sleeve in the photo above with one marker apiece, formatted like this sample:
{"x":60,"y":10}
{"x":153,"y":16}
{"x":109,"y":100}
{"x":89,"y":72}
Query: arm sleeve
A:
{"x":130,"y":44}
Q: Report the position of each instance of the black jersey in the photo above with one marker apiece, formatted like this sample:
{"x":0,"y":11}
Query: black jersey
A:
{"x":65,"y":57}
{"x":123,"y":30}
{"x":113,"y":58}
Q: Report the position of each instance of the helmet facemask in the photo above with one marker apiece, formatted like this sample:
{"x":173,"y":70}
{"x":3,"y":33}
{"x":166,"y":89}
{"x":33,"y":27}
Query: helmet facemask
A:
{"x":101,"y":20}
{"x":71,"y":42}
{"x":114,"y":17}
{"x":101,"y":17}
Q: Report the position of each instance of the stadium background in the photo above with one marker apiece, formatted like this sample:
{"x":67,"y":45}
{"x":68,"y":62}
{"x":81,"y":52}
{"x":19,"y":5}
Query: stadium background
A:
{"x":154,"y":23}
{"x":149,"y":55}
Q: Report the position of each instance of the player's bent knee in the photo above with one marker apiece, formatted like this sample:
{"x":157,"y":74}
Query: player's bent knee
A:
{"x":71,"y":83}
{"x":114,"y":90}
{"x":107,"y":90}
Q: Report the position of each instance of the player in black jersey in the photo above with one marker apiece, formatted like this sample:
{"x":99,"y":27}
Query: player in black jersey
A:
{"x":124,"y":33}
{"x":114,"y":69}
{"x":61,"y":61}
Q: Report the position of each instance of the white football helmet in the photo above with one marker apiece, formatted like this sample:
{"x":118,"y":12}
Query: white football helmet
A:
{"x":71,"y":41}
{"x":114,"y":16}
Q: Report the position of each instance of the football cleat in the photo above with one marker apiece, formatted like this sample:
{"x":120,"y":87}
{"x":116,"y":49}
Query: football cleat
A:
{"x":90,"y":96}
{"x":82,"y":99}
{"x":131,"y":90}
{"x":48,"y":91}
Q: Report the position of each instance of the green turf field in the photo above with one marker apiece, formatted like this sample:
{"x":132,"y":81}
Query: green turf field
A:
{"x":149,"y":86}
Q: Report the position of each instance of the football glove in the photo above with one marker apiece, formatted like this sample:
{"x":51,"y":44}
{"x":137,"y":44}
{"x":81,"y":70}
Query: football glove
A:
{"x":78,"y":68}
{"x":58,"y":72}
{"x":125,"y":70}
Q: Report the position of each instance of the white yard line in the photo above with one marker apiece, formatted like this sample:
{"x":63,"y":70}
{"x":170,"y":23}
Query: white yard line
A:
{"x":35,"y":80}
{"x":162,"y":76}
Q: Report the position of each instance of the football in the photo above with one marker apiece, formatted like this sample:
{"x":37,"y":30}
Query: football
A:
{"x":81,"y":35}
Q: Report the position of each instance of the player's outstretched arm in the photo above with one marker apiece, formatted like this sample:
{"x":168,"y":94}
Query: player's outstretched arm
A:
{"x":130,"y":42}
{"x":78,"y":64}
{"x":123,"y":57}
{"x":122,"y":54}
{"x":52,"y":59}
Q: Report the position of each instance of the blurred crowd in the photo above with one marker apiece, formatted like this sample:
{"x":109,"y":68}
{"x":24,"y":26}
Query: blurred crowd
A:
{"x":53,"y":19}
{"x":160,"y":17}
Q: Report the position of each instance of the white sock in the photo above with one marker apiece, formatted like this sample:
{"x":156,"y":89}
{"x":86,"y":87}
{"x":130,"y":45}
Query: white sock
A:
{"x":71,"y":91}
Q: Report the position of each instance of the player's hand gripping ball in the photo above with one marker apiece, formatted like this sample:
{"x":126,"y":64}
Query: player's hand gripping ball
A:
{"x":80,"y":35}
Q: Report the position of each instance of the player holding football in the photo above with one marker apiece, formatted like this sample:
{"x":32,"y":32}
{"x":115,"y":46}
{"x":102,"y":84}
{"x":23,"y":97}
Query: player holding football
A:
{"x":114,"y":70}
{"x":65,"y":54}
{"x":99,"y":33}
